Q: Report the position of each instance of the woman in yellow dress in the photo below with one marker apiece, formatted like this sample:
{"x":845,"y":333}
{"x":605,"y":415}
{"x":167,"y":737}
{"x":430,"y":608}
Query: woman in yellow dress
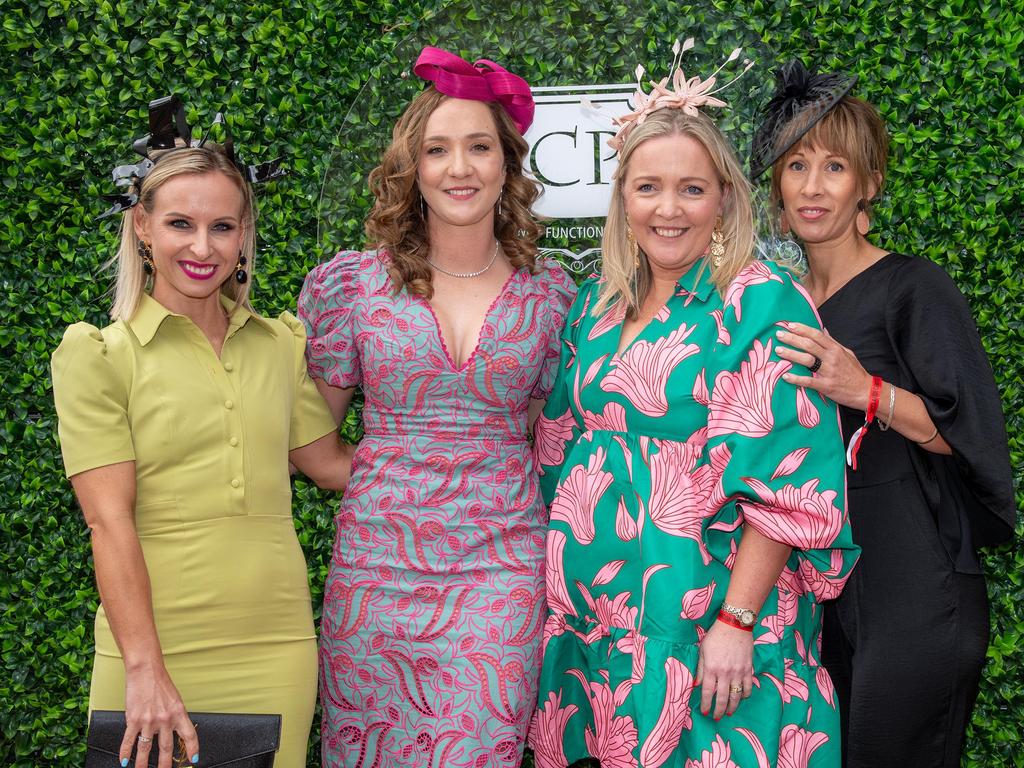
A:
{"x":177,"y":423}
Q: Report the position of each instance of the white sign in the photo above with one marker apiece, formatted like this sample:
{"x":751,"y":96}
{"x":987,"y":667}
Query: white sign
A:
{"x":569,"y":153}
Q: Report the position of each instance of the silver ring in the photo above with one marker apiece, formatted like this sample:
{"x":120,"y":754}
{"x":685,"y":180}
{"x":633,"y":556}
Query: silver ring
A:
{"x":145,"y":739}
{"x":816,"y":365}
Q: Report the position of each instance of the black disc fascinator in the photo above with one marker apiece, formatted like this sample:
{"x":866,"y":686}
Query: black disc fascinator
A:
{"x":169,"y":130}
{"x":801,"y":99}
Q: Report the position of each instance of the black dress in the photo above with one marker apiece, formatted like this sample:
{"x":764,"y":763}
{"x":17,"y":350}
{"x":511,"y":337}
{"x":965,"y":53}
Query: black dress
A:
{"x":906,"y":641}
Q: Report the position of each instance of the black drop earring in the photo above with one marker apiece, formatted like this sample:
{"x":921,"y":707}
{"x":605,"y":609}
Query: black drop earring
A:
{"x":146,"y":254}
{"x":241,"y":276}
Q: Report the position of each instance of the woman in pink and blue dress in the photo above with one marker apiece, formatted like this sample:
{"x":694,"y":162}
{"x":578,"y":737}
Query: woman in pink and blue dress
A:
{"x":434,"y":600}
{"x":696,"y":497}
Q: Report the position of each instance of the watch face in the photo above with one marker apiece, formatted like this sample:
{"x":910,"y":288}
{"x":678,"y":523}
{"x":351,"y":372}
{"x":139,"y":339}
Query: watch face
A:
{"x":747,"y":618}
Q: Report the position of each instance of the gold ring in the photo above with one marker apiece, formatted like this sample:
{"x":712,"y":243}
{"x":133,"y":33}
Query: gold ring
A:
{"x":736,"y":689}
{"x":145,"y":739}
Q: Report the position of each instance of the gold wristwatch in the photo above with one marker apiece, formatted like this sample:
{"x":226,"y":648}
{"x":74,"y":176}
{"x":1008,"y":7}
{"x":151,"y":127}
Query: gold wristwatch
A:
{"x":744,"y":616}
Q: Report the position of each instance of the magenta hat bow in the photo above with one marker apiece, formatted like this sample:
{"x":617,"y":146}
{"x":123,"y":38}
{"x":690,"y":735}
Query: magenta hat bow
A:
{"x":483,"y":80}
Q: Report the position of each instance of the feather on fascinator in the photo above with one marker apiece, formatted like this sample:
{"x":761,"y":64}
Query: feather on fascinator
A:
{"x":802,"y":98}
{"x":687,"y":95}
{"x":167,"y":124}
{"x":483,"y":80}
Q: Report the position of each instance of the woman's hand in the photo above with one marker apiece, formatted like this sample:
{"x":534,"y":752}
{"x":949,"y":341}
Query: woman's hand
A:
{"x":154,"y":711}
{"x":725,"y":669}
{"x":839,"y":376}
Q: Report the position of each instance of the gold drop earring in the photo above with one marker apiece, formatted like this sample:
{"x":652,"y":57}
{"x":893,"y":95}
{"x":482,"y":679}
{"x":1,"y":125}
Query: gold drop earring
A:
{"x":717,"y":244}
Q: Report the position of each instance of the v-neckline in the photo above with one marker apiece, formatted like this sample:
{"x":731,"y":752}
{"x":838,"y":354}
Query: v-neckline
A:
{"x":689,"y":276}
{"x":855,"y":278}
{"x":480,"y":331}
{"x":618,"y":353}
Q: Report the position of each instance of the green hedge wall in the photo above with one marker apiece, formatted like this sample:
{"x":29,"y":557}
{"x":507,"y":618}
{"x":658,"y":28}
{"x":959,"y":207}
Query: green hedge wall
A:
{"x":319,"y":82}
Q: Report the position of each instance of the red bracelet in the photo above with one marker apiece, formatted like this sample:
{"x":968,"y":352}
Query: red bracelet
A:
{"x":874,"y":395}
{"x":732,"y":621}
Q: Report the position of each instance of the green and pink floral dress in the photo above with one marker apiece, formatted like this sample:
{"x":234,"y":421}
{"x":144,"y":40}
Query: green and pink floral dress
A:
{"x":652,"y":460}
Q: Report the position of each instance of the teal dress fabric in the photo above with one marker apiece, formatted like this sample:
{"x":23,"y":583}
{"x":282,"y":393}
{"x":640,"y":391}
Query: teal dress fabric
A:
{"x":652,"y":461}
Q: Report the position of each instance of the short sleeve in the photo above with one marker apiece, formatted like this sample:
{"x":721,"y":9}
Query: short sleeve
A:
{"x":328,"y":308}
{"x":558,"y":428}
{"x":776,"y":448}
{"x":939,"y":350}
{"x":310,"y":418}
{"x":559,"y":291}
{"x":91,"y":400}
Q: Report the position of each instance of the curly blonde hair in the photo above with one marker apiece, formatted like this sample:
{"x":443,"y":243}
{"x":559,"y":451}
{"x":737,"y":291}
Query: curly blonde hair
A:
{"x":131,"y":281}
{"x":621,"y":279}
{"x":396,"y":223}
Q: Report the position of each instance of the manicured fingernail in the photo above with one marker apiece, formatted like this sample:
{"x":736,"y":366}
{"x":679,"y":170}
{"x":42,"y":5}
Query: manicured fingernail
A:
{"x":195,"y":758}
{"x":124,"y":762}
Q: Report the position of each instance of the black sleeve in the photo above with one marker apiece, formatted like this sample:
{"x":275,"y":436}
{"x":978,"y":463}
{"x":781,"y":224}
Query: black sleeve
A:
{"x":939,"y":351}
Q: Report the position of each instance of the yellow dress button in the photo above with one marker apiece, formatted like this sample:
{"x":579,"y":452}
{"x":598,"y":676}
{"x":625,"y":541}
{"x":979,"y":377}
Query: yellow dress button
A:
{"x":228,"y":367}
{"x":235,"y":483}
{"x":229,"y":404}
{"x":233,"y":442}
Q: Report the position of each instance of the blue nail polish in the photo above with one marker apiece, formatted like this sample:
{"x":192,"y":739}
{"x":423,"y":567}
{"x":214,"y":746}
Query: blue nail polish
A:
{"x":124,"y":762}
{"x":195,"y":758}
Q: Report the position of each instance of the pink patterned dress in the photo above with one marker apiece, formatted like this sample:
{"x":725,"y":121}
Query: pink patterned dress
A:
{"x":652,"y":461}
{"x":430,"y":637}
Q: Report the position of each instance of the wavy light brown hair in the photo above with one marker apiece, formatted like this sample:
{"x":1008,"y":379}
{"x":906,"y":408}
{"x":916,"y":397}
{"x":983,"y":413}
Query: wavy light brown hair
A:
{"x":621,"y":280}
{"x":396,"y":223}
{"x":132,"y":281}
{"x":854,"y":129}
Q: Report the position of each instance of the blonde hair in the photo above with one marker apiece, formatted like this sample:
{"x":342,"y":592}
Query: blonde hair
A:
{"x":397,"y":224}
{"x":621,"y":279}
{"x":132,"y":280}
{"x":854,"y":129}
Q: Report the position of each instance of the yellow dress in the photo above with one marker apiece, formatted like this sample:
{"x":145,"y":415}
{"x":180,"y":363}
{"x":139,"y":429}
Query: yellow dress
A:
{"x":210,"y":439}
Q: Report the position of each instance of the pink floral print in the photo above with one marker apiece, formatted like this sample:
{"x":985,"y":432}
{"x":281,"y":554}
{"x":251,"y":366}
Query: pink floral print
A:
{"x":433,"y":608}
{"x":678,"y":446}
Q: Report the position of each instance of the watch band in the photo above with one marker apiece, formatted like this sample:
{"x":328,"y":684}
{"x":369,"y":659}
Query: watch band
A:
{"x":732,"y":621}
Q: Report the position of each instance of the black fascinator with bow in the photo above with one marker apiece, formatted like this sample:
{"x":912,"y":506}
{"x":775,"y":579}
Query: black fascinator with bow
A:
{"x":169,"y":131}
{"x":801,"y":99}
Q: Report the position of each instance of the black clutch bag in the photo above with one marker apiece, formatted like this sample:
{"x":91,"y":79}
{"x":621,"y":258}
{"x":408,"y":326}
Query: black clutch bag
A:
{"x":238,"y":741}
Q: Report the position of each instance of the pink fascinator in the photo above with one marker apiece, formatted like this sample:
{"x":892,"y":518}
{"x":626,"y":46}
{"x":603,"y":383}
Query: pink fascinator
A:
{"x":687,"y":95}
{"x":482,"y":80}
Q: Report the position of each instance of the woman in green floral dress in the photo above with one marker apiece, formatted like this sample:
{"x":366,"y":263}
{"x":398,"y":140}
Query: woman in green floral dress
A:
{"x":696,"y":498}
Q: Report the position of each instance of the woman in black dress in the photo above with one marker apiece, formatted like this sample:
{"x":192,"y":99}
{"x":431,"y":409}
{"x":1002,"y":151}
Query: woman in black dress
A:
{"x":930,"y":477}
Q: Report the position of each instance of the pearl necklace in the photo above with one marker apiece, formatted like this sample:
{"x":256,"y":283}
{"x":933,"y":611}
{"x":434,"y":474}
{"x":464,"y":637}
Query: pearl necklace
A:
{"x":479,"y":272}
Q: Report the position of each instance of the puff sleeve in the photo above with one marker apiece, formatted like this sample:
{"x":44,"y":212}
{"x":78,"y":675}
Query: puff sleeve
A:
{"x":310,"y":418}
{"x":91,"y":399}
{"x":776,"y":449}
{"x":329,"y":306}
{"x":559,"y":427}
{"x":559,"y":290}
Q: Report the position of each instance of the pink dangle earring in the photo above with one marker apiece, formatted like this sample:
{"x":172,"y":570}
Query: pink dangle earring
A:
{"x":863,"y":220}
